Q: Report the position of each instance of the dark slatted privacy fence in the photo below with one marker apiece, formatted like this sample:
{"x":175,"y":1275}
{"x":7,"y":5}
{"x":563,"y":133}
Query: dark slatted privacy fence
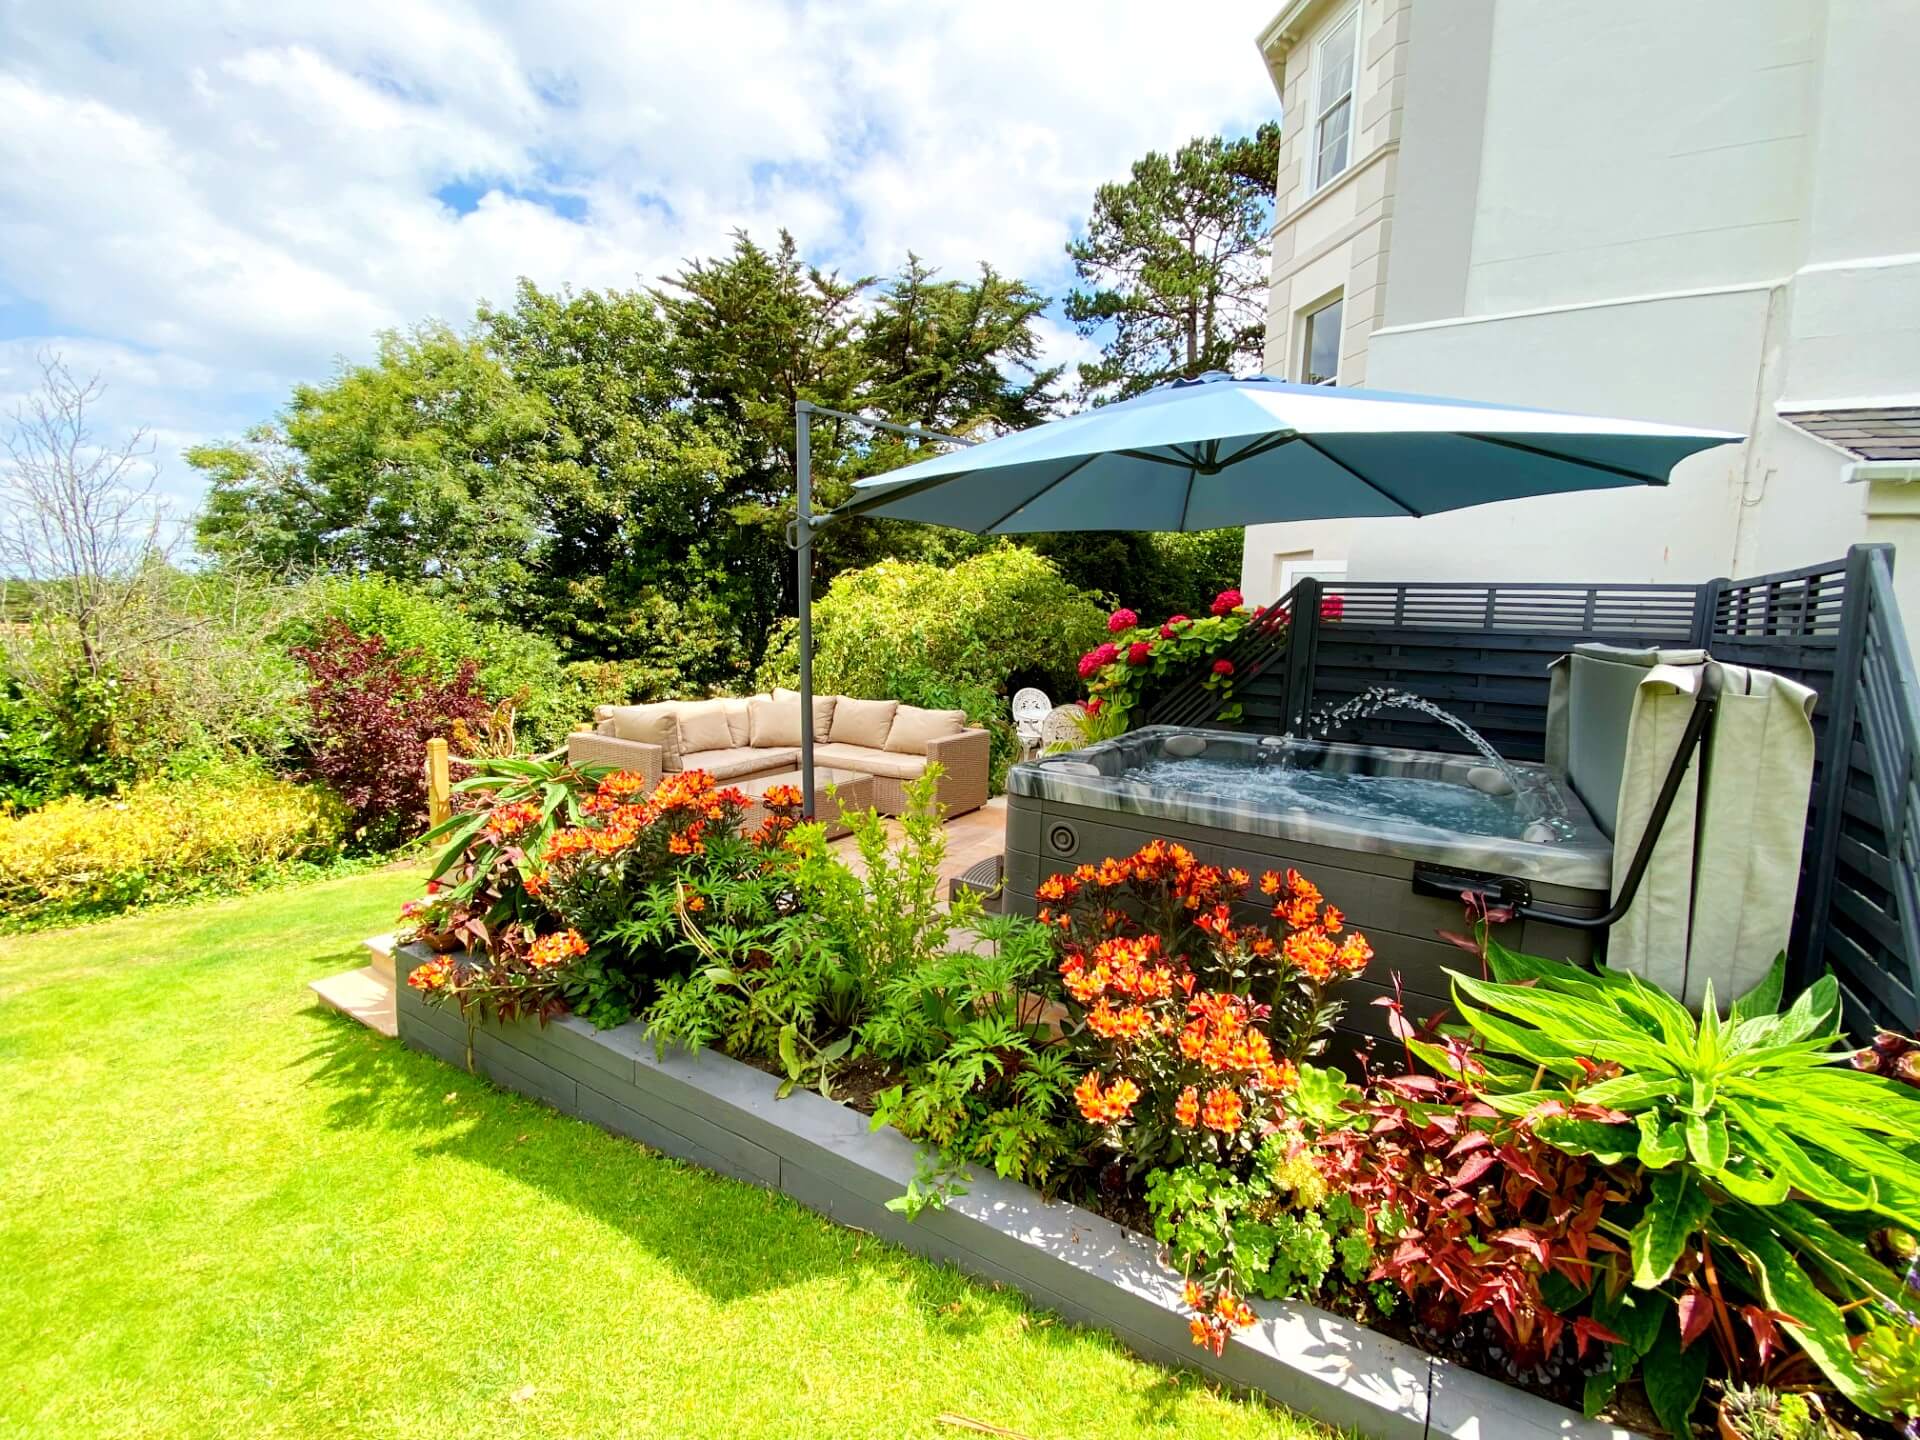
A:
{"x":1481,"y":651}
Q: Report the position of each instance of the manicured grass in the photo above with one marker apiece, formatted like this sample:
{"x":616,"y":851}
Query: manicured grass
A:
{"x":225,"y":1211}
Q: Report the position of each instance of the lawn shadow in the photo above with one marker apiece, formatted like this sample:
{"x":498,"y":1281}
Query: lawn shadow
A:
{"x":700,"y":1224}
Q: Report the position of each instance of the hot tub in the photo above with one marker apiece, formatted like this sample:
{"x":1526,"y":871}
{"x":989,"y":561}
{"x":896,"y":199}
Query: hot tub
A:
{"x":1359,"y":820}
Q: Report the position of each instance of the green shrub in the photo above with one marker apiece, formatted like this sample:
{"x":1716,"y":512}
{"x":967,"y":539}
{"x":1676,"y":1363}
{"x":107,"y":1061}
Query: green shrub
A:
{"x":948,"y":638}
{"x":159,"y":841}
{"x":1155,"y":573}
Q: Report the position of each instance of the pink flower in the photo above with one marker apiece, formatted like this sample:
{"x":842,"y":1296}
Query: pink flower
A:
{"x":1176,"y":620}
{"x":1138,"y":652}
{"x":1223,"y":667}
{"x":1227,"y":601}
{"x":1122,"y":619}
{"x":1101,"y":655}
{"x":1166,"y":632}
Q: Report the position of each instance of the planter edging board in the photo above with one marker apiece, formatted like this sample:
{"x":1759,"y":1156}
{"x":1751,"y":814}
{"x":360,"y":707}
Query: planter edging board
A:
{"x":722,"y":1115}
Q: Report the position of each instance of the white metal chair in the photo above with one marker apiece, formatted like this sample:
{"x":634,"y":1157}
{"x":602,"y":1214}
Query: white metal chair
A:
{"x":1062,"y":727}
{"x":1030,"y":707}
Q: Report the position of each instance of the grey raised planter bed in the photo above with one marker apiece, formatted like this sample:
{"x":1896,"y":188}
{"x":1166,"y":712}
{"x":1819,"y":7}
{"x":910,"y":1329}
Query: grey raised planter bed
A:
{"x":722,"y":1115}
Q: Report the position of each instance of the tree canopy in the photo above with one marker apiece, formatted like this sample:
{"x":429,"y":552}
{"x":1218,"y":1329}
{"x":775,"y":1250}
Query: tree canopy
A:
{"x":1174,"y":264}
{"x":614,"y":468}
{"x":606,"y":465}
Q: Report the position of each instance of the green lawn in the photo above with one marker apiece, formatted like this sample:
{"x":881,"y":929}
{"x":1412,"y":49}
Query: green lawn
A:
{"x":225,"y":1211}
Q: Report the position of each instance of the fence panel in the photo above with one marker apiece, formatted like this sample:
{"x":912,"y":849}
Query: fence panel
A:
{"x":1480,"y":651}
{"x":1860,"y":897}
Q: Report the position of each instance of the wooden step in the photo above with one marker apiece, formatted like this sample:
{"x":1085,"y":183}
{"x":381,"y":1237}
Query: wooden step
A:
{"x":380,"y":947}
{"x":365,"y":994}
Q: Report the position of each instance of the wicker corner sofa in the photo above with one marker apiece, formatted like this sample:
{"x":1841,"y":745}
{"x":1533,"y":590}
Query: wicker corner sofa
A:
{"x":758,"y":737}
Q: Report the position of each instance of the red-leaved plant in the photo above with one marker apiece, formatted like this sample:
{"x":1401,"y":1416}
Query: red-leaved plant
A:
{"x":371,"y":713}
{"x":1472,"y":1212}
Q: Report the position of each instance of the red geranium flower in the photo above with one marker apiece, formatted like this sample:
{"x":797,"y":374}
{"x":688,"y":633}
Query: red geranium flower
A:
{"x":1101,"y":655}
{"x":1138,"y":652}
{"x":1094,"y":704}
{"x":1173,"y":620}
{"x":1122,"y":619}
{"x":1227,"y":601}
{"x":1223,"y":667}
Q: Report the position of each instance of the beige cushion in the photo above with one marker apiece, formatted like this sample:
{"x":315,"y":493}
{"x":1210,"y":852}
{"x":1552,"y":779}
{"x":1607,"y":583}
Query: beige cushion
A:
{"x":735,"y":707}
{"x":914,"y":727}
{"x":869,"y":761}
{"x":822,"y":711}
{"x":650,"y":725}
{"x":862,"y":722}
{"x":770,"y":722}
{"x":739,"y":760}
{"x":703,"y":726}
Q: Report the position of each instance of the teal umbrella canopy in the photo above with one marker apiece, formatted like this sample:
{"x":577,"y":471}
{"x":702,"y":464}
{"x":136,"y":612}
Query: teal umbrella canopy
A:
{"x":1216,"y":451}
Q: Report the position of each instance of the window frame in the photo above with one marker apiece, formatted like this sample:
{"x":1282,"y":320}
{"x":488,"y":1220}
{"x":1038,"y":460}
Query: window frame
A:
{"x":1307,"y":315}
{"x":1321,"y":105}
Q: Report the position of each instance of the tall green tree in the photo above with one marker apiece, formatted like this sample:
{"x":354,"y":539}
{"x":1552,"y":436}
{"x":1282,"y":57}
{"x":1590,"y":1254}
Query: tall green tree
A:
{"x":412,"y":466}
{"x":615,"y":468}
{"x":631,"y":484}
{"x":1173,"y":264}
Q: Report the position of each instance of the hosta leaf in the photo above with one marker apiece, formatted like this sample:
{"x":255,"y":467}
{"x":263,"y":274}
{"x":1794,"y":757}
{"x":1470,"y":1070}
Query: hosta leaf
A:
{"x":1662,"y":1142}
{"x":1598,"y":1391}
{"x":1764,"y":998}
{"x":1630,"y":1092}
{"x":1770,"y":1132}
{"x":1707,"y":1141}
{"x":1577,"y":1026}
{"x":1609,"y":1144}
{"x":1676,"y":1209}
{"x":1673,"y":1377}
{"x":1819,"y":1328}
{"x":1848,"y":1265}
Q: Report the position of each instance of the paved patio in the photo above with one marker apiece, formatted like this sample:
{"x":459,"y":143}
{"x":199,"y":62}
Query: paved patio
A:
{"x":978,"y":835}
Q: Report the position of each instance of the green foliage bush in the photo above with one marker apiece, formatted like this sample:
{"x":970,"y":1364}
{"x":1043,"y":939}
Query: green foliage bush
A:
{"x":159,"y":841}
{"x":1155,"y":573}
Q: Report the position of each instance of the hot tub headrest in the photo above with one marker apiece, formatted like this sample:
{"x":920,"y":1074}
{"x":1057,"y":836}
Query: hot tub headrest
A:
{"x":1602,"y":681}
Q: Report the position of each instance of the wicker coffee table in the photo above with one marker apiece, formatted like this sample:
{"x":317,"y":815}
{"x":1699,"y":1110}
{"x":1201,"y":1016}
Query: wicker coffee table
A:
{"x":850,"y":790}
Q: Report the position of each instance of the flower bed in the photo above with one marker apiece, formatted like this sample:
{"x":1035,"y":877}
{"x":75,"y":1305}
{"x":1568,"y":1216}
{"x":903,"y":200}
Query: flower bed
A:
{"x":715,"y":1112}
{"x":1582,"y":1188}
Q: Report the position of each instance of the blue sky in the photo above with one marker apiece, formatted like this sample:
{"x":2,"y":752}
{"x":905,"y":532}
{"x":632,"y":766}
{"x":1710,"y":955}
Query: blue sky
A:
{"x":207,"y":203}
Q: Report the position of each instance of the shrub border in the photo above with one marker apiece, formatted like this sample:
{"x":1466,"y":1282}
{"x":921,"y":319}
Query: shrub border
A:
{"x":722,"y":1115}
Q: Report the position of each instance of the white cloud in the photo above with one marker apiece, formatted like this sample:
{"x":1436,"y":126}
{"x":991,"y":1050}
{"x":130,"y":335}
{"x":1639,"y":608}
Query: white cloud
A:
{"x":209,"y":204}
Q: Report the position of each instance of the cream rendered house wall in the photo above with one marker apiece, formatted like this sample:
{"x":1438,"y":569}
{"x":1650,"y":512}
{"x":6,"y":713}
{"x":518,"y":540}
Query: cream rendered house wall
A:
{"x":1332,"y":241}
{"x":1687,"y":212}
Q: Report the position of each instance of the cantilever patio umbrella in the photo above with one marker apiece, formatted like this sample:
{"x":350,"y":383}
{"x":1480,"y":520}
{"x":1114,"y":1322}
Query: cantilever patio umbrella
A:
{"x":1214,"y":451}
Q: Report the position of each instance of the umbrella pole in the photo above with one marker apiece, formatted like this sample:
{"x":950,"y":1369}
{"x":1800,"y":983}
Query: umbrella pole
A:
{"x":803,"y":590}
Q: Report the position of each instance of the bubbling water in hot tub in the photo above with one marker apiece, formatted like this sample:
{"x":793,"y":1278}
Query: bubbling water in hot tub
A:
{"x":1500,"y":802}
{"x":1438,"y":805}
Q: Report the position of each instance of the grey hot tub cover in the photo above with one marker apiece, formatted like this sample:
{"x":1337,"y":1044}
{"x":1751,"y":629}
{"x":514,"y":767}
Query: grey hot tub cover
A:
{"x":1717,"y":902}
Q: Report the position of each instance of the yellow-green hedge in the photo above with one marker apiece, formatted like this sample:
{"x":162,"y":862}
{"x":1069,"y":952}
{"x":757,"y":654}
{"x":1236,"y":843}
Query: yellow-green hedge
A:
{"x":159,"y":841}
